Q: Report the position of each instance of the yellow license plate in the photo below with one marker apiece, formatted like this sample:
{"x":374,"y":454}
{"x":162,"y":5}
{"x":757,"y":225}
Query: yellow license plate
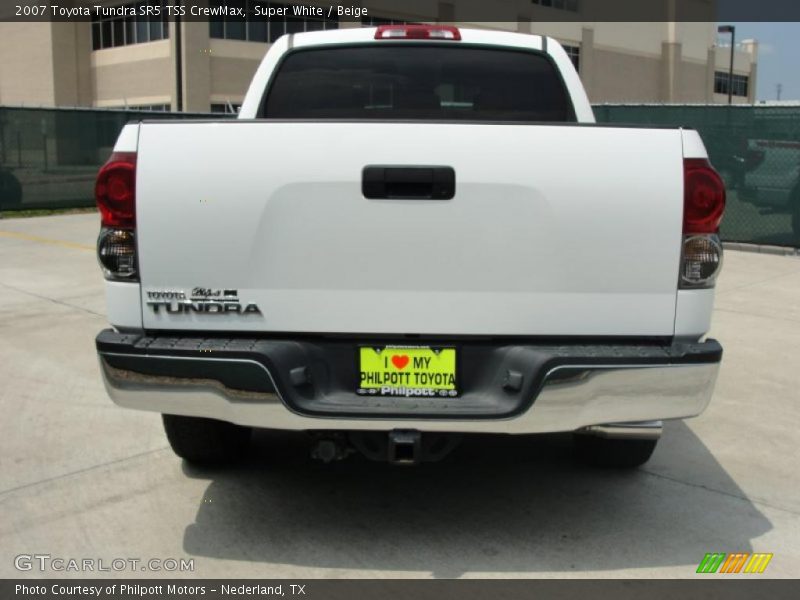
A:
{"x":418,"y":371}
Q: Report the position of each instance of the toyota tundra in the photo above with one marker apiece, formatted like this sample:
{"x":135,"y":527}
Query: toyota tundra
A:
{"x":409,"y":234}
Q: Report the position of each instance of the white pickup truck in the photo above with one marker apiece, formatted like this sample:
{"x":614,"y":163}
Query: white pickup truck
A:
{"x":409,"y":234}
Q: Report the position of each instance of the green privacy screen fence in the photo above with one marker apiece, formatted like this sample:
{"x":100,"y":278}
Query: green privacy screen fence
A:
{"x":757,"y":151}
{"x":49,"y":157}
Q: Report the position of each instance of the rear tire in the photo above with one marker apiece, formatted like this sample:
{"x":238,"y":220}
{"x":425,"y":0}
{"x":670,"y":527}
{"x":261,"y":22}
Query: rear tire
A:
{"x":613,"y":453}
{"x":206,"y":441}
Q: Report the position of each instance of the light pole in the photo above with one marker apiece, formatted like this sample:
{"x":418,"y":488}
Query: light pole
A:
{"x":732,"y":30}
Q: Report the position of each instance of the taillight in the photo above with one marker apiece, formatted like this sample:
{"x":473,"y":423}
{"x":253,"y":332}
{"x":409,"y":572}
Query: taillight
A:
{"x":417,"y":32}
{"x":115,"y":193}
{"x":115,"y":190}
{"x":703,"y":197}
{"x":703,"y":207}
{"x":701,"y":259}
{"x":116,"y":251}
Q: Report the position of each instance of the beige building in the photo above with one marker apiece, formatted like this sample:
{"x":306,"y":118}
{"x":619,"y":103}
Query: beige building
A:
{"x":130,"y":61}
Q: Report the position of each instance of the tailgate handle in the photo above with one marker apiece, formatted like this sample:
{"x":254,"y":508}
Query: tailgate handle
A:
{"x":408,"y":183}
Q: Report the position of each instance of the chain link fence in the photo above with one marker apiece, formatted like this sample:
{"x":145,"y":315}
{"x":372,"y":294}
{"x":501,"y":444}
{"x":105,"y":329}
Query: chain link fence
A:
{"x":756,"y":149}
{"x":49,"y":157}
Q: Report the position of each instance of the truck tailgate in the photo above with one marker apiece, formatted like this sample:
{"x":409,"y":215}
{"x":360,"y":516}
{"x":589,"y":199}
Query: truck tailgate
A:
{"x":553,"y":230}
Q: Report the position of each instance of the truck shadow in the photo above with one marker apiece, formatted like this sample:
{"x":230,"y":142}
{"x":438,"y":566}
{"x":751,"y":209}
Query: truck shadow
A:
{"x":510,"y":504}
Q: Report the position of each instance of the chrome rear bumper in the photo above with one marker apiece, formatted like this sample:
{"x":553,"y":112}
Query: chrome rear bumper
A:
{"x":614,"y":399}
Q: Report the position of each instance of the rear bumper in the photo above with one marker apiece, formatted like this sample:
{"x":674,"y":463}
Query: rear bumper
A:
{"x":300,"y":384}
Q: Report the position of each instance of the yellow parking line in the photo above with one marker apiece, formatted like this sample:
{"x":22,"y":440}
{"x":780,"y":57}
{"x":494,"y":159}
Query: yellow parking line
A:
{"x":44,"y":240}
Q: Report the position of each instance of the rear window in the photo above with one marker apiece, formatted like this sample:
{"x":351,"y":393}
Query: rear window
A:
{"x":417,"y":82}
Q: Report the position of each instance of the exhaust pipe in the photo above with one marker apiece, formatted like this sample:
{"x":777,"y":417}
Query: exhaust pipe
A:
{"x":642,"y":430}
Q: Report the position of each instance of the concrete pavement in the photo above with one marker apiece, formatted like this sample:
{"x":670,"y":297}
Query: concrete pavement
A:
{"x":81,"y":478}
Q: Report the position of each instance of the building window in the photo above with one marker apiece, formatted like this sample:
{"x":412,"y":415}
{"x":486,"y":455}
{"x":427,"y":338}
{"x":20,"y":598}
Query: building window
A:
{"x":133,"y":28}
{"x":574,"y":53}
{"x":558,"y":4}
{"x":225,"y":108}
{"x":253,"y":28}
{"x":740,"y":83}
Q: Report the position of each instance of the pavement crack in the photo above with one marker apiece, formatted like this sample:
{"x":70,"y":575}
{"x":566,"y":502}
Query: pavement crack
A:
{"x":81,"y":471}
{"x":53,"y":300}
{"x":723,"y":493}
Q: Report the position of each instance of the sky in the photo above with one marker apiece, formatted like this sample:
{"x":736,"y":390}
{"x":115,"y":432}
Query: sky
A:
{"x":778,"y":57}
